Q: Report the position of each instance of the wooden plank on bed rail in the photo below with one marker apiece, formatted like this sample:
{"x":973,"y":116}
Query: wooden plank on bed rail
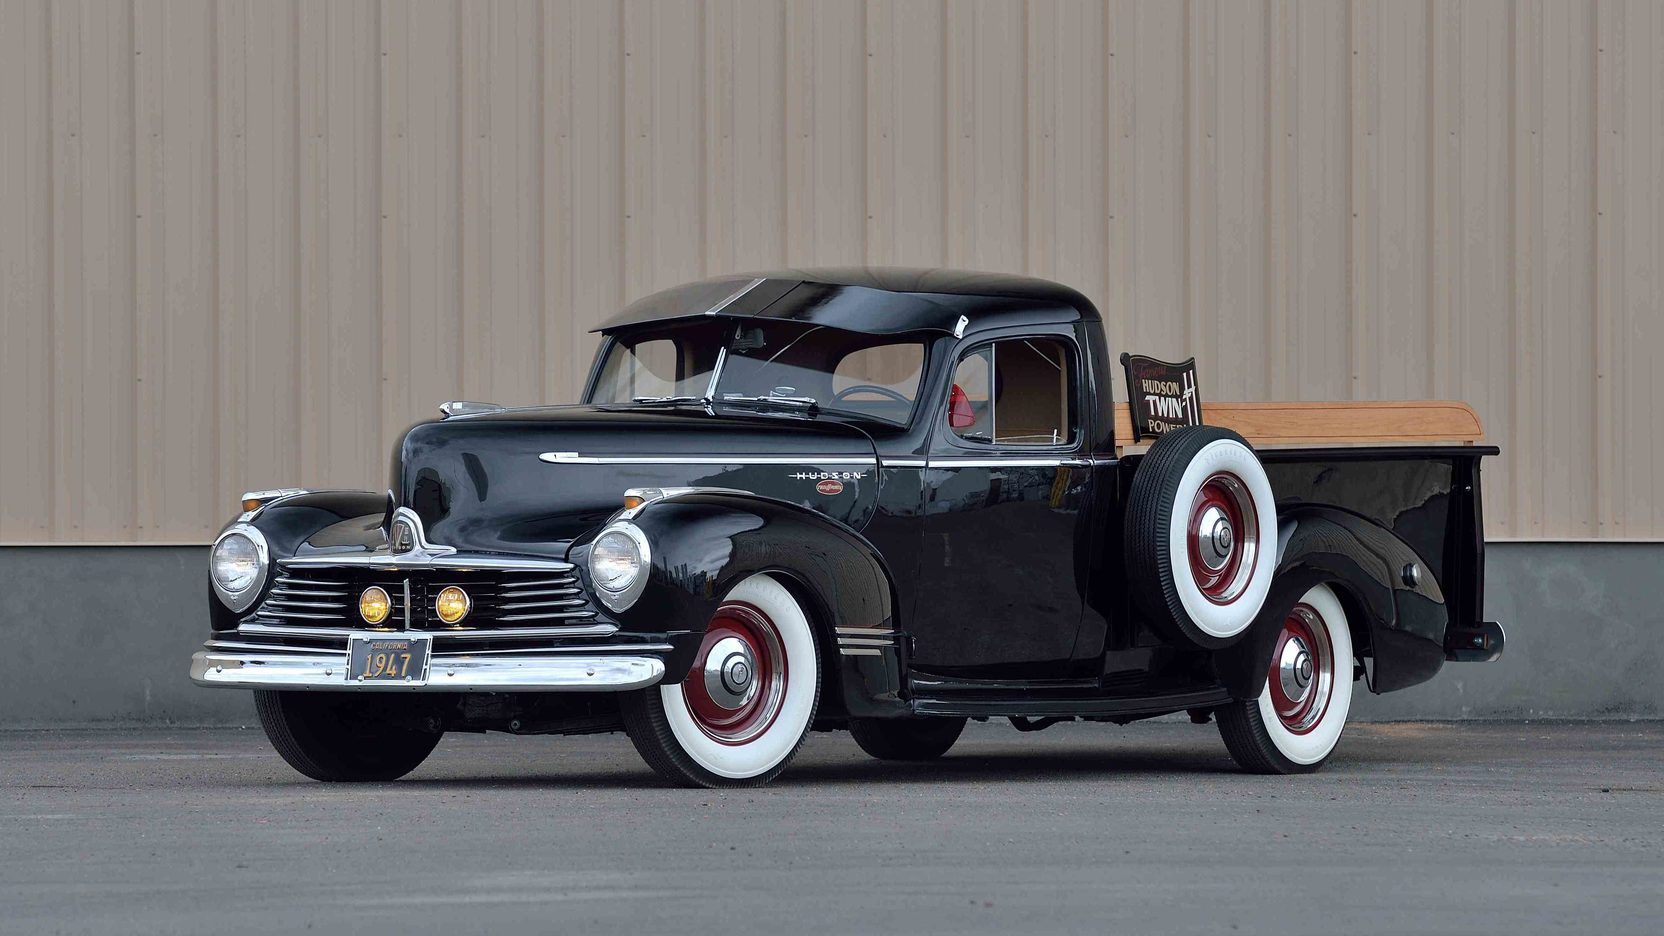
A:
{"x":1409,"y":422}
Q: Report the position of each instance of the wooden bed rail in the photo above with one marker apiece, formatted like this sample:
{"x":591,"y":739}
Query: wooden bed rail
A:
{"x":1410,"y":422}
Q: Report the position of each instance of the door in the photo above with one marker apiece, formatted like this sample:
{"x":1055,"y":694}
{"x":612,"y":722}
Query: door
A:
{"x":1007,"y":486}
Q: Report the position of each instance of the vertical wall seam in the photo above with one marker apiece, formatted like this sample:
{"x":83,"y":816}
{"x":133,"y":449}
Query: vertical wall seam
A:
{"x":49,"y":111}
{"x":131,"y":247}
{"x":1602,"y":432}
{"x":215,"y":326}
{"x":297,"y":331}
{"x":378,"y":217}
{"x":1512,"y":263}
{"x":1025,"y":167}
{"x":1350,"y":236}
{"x":540,"y":184}
{"x":1434,"y":377}
{"x":460,"y":225}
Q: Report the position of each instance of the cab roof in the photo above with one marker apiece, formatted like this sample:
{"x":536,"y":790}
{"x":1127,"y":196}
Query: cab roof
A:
{"x":875,"y":300}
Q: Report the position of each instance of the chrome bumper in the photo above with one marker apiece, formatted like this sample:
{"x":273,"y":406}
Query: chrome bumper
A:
{"x":249,"y":667}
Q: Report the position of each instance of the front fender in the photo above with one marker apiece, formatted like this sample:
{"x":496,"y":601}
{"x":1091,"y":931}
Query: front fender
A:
{"x":350,"y":517}
{"x":704,"y":543}
{"x":1400,"y":623}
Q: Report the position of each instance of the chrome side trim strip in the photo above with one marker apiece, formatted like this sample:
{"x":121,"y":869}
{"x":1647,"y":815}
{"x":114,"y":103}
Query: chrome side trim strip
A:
{"x":281,"y":669}
{"x":906,"y":463}
{"x":999,"y":462}
{"x":866,"y":631}
{"x":577,"y":458}
{"x":860,"y":652}
{"x":865,"y":642}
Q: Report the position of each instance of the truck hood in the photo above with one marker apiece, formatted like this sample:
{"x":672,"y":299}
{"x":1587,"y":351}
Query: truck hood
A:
{"x":533,"y":480}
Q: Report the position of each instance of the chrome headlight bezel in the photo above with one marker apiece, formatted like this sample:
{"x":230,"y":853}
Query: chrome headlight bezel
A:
{"x":621,"y":597}
{"x":241,"y":599}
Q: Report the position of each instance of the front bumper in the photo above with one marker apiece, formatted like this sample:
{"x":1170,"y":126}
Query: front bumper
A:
{"x":250,"y":666}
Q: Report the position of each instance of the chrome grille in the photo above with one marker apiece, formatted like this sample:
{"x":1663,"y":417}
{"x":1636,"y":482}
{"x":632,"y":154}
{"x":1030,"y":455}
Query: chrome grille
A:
{"x":505,"y":601}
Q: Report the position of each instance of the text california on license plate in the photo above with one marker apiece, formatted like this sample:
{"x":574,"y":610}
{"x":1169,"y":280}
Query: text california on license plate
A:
{"x":401,"y":658}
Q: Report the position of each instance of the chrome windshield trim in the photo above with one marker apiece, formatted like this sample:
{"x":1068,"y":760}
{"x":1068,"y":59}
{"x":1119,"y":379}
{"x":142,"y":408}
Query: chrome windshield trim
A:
{"x":736,"y":295}
{"x":578,"y":458}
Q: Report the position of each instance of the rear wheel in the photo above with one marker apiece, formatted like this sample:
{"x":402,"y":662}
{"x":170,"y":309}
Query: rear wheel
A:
{"x":1296,"y":721}
{"x":906,"y":739}
{"x":341,"y":737}
{"x":746,"y":705}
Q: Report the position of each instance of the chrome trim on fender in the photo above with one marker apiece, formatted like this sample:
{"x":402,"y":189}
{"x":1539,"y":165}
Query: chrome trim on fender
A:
{"x":453,"y":408}
{"x":536,"y":671}
{"x":578,"y":458}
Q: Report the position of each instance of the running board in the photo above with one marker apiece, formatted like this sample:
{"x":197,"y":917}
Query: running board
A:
{"x":1080,"y":707}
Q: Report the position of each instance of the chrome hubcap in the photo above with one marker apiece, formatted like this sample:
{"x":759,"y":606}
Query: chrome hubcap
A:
{"x":1294,"y":669}
{"x":1215,"y":537}
{"x":729,"y":668}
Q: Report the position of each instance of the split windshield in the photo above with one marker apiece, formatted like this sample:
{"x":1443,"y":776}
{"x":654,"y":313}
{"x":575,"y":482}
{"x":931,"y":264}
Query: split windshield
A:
{"x":784,"y":365}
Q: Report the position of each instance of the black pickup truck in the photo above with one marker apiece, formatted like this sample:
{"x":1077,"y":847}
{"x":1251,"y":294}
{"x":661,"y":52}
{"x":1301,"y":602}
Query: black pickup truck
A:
{"x":885,"y":501}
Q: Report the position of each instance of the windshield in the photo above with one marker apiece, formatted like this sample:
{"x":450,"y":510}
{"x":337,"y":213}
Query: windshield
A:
{"x":774,"y":364}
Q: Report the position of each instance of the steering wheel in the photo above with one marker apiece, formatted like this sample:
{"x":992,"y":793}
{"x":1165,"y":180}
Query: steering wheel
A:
{"x":871,"y":388}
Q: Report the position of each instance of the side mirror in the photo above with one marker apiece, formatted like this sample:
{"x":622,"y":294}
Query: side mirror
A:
{"x":960,"y":414}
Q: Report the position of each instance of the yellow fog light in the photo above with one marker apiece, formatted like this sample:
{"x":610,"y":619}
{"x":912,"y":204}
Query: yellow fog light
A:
{"x":452,"y":604}
{"x":374,"y":605}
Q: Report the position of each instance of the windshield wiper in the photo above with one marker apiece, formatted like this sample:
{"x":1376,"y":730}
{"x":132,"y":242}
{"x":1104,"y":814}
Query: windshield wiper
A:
{"x":667,"y":399}
{"x":808,"y":404}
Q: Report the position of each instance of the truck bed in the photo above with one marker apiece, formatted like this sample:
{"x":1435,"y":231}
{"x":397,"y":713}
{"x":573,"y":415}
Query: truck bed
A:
{"x":1269,"y":425}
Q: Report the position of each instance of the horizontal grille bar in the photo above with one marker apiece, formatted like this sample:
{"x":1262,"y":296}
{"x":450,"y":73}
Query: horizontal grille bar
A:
{"x":510,"y":601}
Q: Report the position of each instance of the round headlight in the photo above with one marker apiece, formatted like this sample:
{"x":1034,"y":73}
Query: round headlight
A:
{"x":618,"y":565}
{"x":238,"y":566}
{"x":615,"y":561}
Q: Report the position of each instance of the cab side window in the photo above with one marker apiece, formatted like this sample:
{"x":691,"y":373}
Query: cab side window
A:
{"x":1019,"y":391}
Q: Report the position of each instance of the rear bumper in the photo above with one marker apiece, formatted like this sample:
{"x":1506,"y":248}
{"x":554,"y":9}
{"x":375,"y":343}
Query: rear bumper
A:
{"x":1482,"y":644}
{"x":247,"y":666}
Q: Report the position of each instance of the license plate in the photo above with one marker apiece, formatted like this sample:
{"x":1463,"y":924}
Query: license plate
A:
{"x":388,"y":659}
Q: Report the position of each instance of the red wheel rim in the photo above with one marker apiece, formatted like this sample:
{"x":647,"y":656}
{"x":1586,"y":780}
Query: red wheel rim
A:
{"x":1302,"y":677}
{"x":738,"y":681}
{"x":1222,"y":538}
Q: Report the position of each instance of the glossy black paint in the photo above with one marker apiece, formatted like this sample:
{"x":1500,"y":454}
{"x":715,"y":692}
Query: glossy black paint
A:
{"x":704,"y":544}
{"x":876,"y":300}
{"x":1001,"y":581}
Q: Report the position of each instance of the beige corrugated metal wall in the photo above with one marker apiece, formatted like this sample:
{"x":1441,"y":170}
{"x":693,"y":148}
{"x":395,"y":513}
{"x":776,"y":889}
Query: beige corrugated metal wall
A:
{"x":242,"y":244}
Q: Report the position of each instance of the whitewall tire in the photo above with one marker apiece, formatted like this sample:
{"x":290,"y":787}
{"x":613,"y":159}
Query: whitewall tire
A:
{"x":1297,"y":719}
{"x":747,"y":703}
{"x":1201,"y":535}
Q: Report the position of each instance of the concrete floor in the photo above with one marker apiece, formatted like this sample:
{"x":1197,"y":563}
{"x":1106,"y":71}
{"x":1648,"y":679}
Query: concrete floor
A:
{"x":1475,"y":827}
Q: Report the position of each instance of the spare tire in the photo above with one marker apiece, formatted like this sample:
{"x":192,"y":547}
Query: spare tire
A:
{"x":1201,"y":535}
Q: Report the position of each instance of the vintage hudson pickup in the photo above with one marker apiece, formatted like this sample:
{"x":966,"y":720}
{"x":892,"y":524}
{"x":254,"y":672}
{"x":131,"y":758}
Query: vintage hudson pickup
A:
{"x":878,"y":500}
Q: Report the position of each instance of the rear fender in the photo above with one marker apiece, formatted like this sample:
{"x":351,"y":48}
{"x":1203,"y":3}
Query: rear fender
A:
{"x":1398,"y":618}
{"x":704,"y":543}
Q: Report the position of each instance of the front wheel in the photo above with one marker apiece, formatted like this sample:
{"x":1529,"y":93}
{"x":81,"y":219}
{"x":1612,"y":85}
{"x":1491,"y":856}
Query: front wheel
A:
{"x":745,"y":707}
{"x":341,"y":737}
{"x":1295,"y":723}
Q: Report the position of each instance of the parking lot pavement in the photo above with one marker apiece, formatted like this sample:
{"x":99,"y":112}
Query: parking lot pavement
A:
{"x":1518,"y":828}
